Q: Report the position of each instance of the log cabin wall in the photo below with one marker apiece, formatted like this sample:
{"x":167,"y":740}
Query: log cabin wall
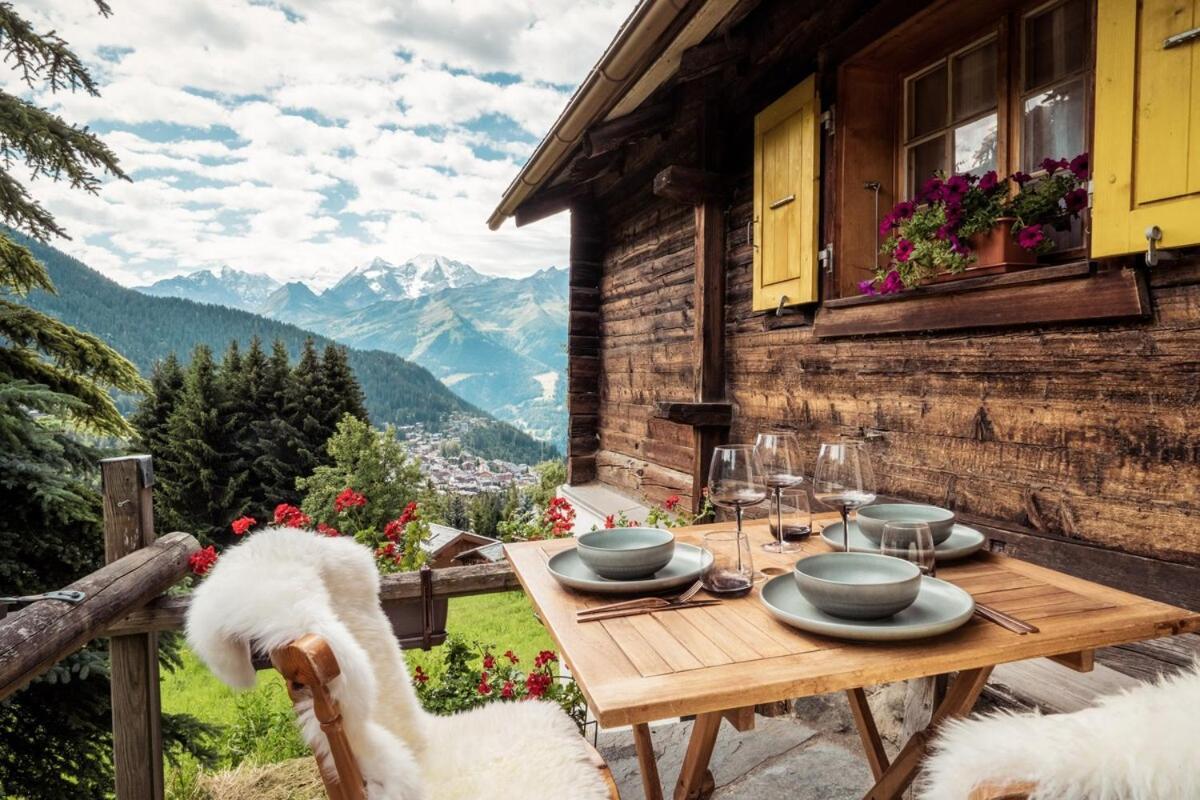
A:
{"x":1073,"y":445}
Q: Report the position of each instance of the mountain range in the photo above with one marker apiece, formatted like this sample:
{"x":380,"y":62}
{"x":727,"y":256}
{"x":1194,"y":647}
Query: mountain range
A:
{"x":499,"y":343}
{"x":146,"y":328}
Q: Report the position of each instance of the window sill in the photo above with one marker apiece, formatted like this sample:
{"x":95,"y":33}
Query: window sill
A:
{"x":1073,"y":292}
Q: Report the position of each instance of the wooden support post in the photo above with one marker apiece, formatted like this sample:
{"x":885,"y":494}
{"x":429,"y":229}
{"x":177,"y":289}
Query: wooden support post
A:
{"x":647,"y":764}
{"x":583,"y":365}
{"x":136,"y":710}
{"x":695,"y":780}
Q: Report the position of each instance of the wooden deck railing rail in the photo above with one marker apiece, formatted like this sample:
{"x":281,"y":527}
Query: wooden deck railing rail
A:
{"x":125,"y":600}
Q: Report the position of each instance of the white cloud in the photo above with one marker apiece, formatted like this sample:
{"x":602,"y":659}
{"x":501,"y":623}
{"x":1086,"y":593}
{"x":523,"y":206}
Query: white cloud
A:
{"x":304,"y":138}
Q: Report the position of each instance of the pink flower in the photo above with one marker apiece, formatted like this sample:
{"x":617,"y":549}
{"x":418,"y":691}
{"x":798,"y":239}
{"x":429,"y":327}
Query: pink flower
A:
{"x":203,"y":560}
{"x":1076,"y":200}
{"x":957,"y":246}
{"x":1052,"y":165}
{"x":931,"y":190}
{"x":1030,"y":237}
{"x":1081,"y":167}
{"x":943,"y":232}
{"x":242,"y":524}
{"x":892,"y":284}
{"x":954,"y":189}
{"x":904,"y":249}
{"x":988,"y":182}
{"x":867,"y":287}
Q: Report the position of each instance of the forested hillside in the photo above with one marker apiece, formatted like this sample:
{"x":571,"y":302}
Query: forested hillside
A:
{"x":146,"y":329}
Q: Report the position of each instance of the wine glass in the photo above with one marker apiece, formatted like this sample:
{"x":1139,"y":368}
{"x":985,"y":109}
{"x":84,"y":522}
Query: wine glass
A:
{"x":912,"y":541}
{"x":735,"y":479}
{"x":779,"y":456}
{"x":731,"y":572}
{"x":844,"y":480}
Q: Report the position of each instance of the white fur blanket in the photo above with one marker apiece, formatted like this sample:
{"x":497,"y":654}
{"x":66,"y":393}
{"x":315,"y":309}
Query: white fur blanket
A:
{"x":280,"y":584}
{"x":1138,"y":745}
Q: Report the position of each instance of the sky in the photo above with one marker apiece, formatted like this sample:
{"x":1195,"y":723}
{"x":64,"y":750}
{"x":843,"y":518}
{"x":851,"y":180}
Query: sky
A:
{"x":304,"y":138}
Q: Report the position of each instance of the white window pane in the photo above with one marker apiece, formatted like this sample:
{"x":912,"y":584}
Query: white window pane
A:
{"x":1053,"y":125}
{"x":975,"y":145}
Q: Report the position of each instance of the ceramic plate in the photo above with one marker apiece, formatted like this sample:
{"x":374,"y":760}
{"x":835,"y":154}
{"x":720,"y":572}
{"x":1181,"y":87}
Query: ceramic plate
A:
{"x":963,"y":541}
{"x":940,"y":607}
{"x":688,"y":563}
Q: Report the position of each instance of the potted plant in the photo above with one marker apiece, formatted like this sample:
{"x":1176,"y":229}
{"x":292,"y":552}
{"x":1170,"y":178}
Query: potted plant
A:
{"x":964,"y":222}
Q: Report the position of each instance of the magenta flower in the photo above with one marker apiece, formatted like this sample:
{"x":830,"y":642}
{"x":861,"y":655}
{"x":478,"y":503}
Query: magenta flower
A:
{"x":955,"y":189}
{"x":1021,"y":178}
{"x":904,"y":249}
{"x":988,"y":182}
{"x":903,"y":210}
{"x":892,"y":283}
{"x":944,"y":232}
{"x":1030,"y":237}
{"x":957,"y":246}
{"x":886,"y":224}
{"x":931,"y":190}
{"x":1052,"y":165}
{"x":1076,"y":200}
{"x":867,"y":287}
{"x":1081,"y":167}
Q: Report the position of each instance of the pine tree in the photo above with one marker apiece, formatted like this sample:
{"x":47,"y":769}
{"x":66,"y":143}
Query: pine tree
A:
{"x":150,"y":420}
{"x":305,"y":412}
{"x":456,"y":513}
{"x":276,"y":465}
{"x":203,"y":496}
{"x":341,"y":391}
{"x":55,"y":381}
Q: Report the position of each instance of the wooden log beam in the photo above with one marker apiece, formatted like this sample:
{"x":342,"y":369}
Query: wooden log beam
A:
{"x":36,"y":637}
{"x":584,"y":169}
{"x":547,"y":203}
{"x":168,"y":613}
{"x":133,"y":660}
{"x":695,"y":414}
{"x":606,"y":136}
{"x":708,"y":57}
{"x":689,"y":186}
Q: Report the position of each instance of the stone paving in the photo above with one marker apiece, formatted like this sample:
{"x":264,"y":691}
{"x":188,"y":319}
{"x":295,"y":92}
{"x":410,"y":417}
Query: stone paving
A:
{"x":812,"y":755}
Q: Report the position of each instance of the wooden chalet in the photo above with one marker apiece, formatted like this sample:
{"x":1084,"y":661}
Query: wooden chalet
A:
{"x":726,"y":165}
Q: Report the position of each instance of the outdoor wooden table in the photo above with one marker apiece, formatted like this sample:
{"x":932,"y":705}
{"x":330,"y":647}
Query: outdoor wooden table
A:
{"x":720,"y":661}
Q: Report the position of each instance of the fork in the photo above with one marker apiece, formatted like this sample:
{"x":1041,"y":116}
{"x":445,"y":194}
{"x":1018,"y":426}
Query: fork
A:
{"x":655,"y":602}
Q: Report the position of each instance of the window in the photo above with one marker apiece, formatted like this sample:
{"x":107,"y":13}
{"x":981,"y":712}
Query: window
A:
{"x":956,"y":107}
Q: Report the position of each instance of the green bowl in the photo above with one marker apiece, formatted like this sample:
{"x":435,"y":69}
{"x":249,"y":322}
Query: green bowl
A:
{"x":858,"y":585}
{"x":626,"y":553}
{"x":871,"y":519}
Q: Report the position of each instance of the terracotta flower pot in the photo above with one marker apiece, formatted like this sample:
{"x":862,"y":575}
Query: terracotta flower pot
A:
{"x":997,"y":247}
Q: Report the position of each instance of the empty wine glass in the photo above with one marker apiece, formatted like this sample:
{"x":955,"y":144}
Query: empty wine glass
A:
{"x":779,"y":456}
{"x":912,"y":541}
{"x":735,"y":479}
{"x":843,"y":479}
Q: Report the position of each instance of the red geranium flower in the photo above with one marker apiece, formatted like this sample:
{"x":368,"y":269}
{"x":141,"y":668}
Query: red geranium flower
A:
{"x":242,"y":524}
{"x":393,"y":529}
{"x":507,"y":689}
{"x":544,"y":658}
{"x":419,"y":676}
{"x":348,"y":498}
{"x":291,"y":517}
{"x":484,"y":687}
{"x":489,"y":661}
{"x":511,"y":656}
{"x":609,"y":522}
{"x":671,"y":502}
{"x":328,"y":530}
{"x":202,"y":560}
{"x":536,"y":684}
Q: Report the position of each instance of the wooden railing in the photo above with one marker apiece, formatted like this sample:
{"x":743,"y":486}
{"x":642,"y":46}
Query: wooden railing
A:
{"x":126,"y":601}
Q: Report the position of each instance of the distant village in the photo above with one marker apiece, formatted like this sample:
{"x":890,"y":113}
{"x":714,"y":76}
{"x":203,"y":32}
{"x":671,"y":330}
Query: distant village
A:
{"x":453,"y":469}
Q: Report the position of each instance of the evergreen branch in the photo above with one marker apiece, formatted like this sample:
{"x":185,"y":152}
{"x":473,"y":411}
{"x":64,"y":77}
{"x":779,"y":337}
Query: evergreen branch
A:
{"x":51,"y":146}
{"x":70,"y":349}
{"x":20,"y":272}
{"x":19,"y":210}
{"x":43,"y":58}
{"x":98,"y":414}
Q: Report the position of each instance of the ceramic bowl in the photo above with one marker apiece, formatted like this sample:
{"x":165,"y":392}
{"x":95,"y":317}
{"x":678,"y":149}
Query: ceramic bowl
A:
{"x":626,"y":553}
{"x":858,"y":585}
{"x":872,"y":518}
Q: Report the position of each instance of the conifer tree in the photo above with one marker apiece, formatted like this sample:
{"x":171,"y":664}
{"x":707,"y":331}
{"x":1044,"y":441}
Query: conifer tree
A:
{"x":341,"y":391}
{"x":166,"y":382}
{"x":304,"y":410}
{"x":276,"y":466}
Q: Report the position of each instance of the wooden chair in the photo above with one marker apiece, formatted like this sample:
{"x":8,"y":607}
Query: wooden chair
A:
{"x":308,"y":665}
{"x":1008,"y":791}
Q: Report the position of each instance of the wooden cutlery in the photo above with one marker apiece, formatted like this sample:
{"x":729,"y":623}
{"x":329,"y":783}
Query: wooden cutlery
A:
{"x":1013,"y":624}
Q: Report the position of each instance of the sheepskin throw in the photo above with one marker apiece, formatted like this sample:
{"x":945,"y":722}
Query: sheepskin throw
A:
{"x":283,"y":583}
{"x":1138,"y":745}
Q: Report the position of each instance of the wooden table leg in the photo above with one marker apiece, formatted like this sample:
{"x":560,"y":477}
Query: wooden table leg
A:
{"x":960,"y":699}
{"x":651,"y":785}
{"x":865,"y":722}
{"x":692,"y":776}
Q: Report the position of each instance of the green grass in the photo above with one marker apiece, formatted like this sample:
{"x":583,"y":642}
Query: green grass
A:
{"x":258,"y":724}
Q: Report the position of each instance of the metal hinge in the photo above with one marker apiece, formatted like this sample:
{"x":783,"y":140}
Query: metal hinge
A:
{"x":828,"y":121}
{"x":66,"y":595}
{"x":825,"y":257}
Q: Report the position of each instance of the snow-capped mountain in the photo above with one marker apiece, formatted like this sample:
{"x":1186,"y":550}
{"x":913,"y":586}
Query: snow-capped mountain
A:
{"x":417,"y":277}
{"x":230,"y":287}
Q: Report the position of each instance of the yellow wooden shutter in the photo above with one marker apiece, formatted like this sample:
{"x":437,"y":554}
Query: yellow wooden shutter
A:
{"x":787,"y":184}
{"x":1146,"y":157}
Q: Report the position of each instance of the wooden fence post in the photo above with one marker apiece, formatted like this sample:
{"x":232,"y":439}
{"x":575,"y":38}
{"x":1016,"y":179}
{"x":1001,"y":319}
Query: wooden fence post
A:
{"x":136,"y":708}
